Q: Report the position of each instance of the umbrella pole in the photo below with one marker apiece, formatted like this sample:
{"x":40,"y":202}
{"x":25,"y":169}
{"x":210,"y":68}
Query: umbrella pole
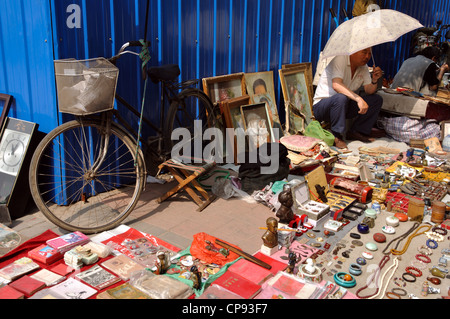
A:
{"x":373,"y":60}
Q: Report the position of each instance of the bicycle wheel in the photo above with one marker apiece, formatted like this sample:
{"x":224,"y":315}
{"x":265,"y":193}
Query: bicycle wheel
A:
{"x":190,"y":105}
{"x":83,"y":179}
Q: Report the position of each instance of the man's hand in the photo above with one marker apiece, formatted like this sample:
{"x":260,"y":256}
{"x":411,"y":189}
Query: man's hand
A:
{"x":377,"y":73}
{"x":363,"y":107}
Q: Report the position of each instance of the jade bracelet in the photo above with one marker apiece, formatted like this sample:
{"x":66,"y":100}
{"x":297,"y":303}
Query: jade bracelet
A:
{"x":341,"y":282}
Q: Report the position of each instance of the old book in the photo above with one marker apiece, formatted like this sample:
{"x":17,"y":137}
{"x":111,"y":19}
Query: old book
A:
{"x":123,"y":266}
{"x":18,"y":268}
{"x":48,"y":277}
{"x":276,"y":264}
{"x":46,"y":293}
{"x":286,"y":283}
{"x":73,"y":289}
{"x":126,"y":291}
{"x":98,"y":277}
{"x":68,"y":241}
{"x":62,"y":269}
{"x":250,"y":271}
{"x":238,"y":285}
{"x":45,"y":254}
{"x":27,"y":285}
{"x":8,"y":292}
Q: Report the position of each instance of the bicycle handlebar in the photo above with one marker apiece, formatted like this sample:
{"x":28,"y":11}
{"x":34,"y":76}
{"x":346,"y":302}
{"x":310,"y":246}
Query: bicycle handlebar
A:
{"x":126,"y":45}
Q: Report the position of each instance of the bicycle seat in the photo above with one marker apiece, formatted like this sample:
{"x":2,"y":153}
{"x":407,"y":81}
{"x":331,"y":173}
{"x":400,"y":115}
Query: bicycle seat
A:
{"x":168,"y":72}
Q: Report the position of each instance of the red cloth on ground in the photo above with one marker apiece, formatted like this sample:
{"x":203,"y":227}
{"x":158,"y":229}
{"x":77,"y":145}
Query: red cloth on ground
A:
{"x":22,"y":250}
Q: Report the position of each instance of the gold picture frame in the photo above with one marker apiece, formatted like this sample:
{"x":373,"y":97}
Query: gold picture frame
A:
{"x":296,"y":84}
{"x":224,"y":87}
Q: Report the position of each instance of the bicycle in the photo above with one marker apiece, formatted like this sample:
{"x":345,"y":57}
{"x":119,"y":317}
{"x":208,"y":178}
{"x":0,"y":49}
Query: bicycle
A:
{"x":88,"y":174}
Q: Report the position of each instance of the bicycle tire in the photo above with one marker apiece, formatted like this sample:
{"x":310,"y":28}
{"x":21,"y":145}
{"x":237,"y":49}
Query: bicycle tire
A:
{"x":190,"y":105}
{"x":69,"y":193}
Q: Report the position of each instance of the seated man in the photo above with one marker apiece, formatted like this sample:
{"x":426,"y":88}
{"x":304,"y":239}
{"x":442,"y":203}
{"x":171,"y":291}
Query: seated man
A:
{"x":335,"y":100}
{"x":421,"y":73}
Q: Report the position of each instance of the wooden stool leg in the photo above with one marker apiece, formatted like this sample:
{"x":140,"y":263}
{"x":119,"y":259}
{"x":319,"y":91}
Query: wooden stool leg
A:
{"x":182,"y":184}
{"x":186,"y":179}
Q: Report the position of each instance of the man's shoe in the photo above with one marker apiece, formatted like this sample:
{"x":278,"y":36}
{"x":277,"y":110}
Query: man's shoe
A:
{"x":353,"y":135}
{"x":377,"y":133}
{"x":339,"y":143}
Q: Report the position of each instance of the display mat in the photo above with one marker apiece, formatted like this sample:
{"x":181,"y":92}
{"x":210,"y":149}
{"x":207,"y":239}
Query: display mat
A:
{"x":339,"y":263}
{"x":23,"y":249}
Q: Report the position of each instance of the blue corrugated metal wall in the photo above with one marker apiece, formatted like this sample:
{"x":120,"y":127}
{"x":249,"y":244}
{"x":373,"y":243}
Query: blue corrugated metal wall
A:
{"x":205,"y":37}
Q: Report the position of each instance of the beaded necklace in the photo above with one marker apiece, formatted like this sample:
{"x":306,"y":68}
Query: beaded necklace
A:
{"x":375,"y":275}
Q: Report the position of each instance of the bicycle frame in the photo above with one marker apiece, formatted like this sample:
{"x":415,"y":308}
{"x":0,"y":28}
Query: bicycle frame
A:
{"x":169,"y":92}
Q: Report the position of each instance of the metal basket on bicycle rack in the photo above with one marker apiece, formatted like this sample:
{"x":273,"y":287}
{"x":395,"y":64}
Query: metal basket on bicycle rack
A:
{"x":85,"y":86}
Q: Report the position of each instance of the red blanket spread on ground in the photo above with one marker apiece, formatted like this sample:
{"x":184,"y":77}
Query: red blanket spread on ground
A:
{"x":23,"y":249}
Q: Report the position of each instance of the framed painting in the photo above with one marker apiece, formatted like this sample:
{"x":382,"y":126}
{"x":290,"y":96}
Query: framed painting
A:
{"x":289,"y":66}
{"x":260,"y":87}
{"x":257,"y":124}
{"x":445,"y":129}
{"x":233,"y":119}
{"x":232,"y":111}
{"x":5,"y":103}
{"x":225,"y":87}
{"x":296,"y":84}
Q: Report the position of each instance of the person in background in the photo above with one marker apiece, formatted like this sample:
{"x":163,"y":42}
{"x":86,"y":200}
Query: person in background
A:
{"x":335,"y":99}
{"x":421,"y":73}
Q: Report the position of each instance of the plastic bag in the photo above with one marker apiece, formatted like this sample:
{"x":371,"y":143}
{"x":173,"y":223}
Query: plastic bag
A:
{"x":314,"y":129}
{"x":160,"y":286}
{"x":199,"y":250}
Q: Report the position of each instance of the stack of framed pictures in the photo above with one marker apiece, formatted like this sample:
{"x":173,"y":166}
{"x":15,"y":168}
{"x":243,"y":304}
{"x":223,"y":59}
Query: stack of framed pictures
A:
{"x":247,"y":101}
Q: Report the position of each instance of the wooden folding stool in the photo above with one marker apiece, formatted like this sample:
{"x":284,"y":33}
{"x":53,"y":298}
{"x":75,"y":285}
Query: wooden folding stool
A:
{"x":186,"y":175}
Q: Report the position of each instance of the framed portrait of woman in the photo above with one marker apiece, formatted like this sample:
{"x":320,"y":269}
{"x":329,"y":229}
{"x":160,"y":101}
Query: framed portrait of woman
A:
{"x":296,"y":84}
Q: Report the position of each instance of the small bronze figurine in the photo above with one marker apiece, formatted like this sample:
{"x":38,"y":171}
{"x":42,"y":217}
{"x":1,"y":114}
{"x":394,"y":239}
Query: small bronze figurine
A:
{"x":270,"y":237}
{"x":291,"y":263}
{"x":285,"y":213}
{"x":196,"y":277}
{"x":162,"y":262}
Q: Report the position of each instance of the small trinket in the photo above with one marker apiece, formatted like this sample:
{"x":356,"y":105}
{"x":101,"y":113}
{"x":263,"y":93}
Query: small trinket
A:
{"x":357,"y":243}
{"x":371,"y":246}
{"x":388,"y":229}
{"x":346,"y":254}
{"x":355,"y":269}
{"x":361,"y":261}
{"x":379,"y":238}
{"x":392,"y":221}
{"x":196,"y":277}
{"x":367,"y":255}
{"x":424,"y":291}
{"x":401,"y":217}
{"x":363,"y":228}
{"x":434,"y":280}
{"x":432,"y":290}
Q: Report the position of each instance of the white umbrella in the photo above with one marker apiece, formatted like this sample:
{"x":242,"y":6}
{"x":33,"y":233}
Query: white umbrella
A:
{"x":368,"y":30}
